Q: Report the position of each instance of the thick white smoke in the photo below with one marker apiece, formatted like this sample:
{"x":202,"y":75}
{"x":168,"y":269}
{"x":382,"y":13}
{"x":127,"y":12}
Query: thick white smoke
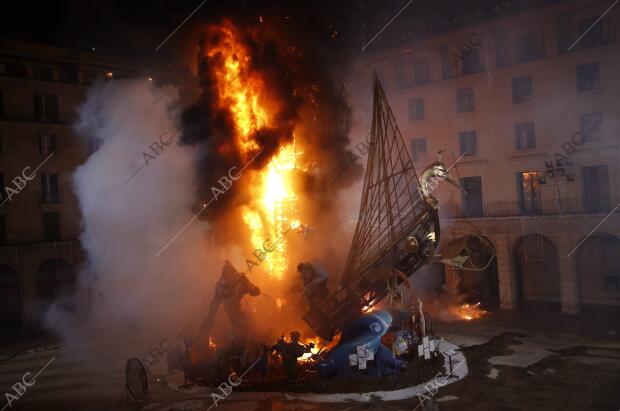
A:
{"x":126,"y":223}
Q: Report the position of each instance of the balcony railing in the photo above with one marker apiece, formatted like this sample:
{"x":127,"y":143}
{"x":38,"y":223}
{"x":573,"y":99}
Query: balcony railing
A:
{"x":543,"y":207}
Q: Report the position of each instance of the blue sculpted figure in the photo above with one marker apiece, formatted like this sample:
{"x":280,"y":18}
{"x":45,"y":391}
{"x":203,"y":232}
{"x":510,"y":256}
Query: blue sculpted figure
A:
{"x":366,"y":330}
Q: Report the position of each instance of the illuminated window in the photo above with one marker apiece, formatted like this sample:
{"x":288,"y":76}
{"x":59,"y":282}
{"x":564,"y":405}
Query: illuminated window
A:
{"x":529,"y":193}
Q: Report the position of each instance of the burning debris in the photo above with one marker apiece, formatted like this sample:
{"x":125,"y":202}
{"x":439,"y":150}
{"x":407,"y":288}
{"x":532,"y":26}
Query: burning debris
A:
{"x":291,"y":352}
{"x":468,"y":311}
{"x":452,"y":309}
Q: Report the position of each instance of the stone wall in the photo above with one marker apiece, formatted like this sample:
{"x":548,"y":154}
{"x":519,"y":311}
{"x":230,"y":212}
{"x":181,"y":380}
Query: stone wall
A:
{"x":565,"y":232}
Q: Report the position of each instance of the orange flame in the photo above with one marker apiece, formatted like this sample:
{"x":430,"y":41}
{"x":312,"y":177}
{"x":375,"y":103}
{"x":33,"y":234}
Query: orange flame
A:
{"x":238,"y":90}
{"x":243,"y":93}
{"x":307,"y":357}
{"x":468,"y":312}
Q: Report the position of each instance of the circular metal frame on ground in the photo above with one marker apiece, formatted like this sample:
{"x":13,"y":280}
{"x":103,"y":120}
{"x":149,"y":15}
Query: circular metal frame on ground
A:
{"x":136,"y":380}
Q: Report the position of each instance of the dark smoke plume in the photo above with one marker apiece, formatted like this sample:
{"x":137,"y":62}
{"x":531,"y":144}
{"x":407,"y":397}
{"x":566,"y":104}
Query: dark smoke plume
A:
{"x":297,"y":74}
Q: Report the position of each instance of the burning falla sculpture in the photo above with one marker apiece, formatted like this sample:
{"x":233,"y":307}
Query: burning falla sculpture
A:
{"x":397,"y":232}
{"x":230,"y":289}
{"x":398,"y":226}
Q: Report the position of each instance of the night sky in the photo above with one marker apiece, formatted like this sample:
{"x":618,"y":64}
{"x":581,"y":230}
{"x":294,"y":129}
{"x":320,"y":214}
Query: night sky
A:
{"x":136,"y":28}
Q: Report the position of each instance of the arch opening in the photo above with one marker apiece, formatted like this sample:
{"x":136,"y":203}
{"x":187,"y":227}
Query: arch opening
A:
{"x":537,"y":272}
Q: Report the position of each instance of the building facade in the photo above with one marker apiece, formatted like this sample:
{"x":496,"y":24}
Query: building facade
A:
{"x":529,"y":108}
{"x":40,"y":90}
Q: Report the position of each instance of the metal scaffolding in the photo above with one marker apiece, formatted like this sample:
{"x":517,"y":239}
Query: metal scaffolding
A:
{"x":396,"y":228}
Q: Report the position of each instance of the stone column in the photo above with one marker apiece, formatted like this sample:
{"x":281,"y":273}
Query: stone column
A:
{"x":30,"y":299}
{"x":569,"y":288}
{"x":506,"y":274}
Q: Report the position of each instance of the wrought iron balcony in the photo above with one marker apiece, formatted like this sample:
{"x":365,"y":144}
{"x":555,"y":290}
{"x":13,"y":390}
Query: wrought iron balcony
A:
{"x":565,"y":206}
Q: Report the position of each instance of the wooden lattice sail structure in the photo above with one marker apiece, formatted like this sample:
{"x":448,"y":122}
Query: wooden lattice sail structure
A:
{"x":397,"y":230}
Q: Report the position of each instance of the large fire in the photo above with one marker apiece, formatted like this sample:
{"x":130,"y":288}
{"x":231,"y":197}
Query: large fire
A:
{"x":272,"y":209}
{"x":238,"y":89}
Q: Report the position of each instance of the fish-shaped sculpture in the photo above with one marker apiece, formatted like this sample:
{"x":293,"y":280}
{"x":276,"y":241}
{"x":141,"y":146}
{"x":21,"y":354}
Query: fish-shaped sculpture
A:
{"x":365,"y":331}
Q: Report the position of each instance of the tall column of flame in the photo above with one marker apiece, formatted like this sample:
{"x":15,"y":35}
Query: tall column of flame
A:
{"x":242,"y":91}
